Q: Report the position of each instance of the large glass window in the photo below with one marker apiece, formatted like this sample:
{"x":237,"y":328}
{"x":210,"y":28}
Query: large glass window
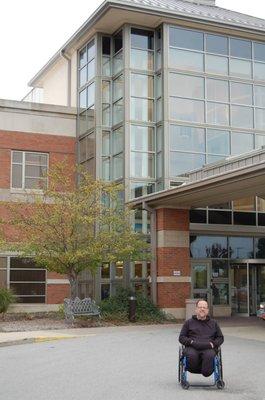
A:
{"x":27,"y":280}
{"x":216,"y":44}
{"x":259,"y":92}
{"x":187,"y":110}
{"x":241,"y":93}
{"x":247,"y":204}
{"x":186,"y":86}
{"x":218,"y":141}
{"x":184,"y":162}
{"x":217,"y":90}
{"x":240,"y":48}
{"x":142,"y":165}
{"x":240,"y":68}
{"x":142,"y":138}
{"x":186,"y":39}
{"x":259,"y":51}
{"x":142,"y":39}
{"x":260,"y":118}
{"x":242,"y":117}
{"x":259,"y":141}
{"x":142,"y":109}
{"x":29,"y":170}
{"x":142,"y":85}
{"x":142,"y":49}
{"x":217,"y":113}
{"x":118,"y":111}
{"x":241,"y":143}
{"x":208,"y":246}
{"x":241,"y":247}
{"x":139,"y":189}
{"x":185,"y":60}
{"x":216,"y":65}
{"x":118,"y":85}
{"x":187,"y":138}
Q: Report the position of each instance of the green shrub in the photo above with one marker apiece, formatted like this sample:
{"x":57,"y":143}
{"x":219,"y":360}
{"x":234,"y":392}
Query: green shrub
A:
{"x":117,"y":307}
{"x":7,"y":297}
{"x":60,"y":312}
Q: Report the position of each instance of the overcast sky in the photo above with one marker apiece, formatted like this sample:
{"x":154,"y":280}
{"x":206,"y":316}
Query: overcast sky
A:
{"x":31,"y":31}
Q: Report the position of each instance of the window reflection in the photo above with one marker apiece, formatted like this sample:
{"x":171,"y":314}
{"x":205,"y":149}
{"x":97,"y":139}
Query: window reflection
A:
{"x":241,"y":247}
{"x":187,"y":110}
{"x":208,"y":247}
{"x":187,"y":138}
{"x":184,"y":162}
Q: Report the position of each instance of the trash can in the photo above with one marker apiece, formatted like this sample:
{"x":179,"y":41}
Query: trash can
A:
{"x":132,"y":308}
{"x":190,"y":307}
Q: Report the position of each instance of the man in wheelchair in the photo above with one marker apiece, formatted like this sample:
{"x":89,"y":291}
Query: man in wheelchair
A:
{"x":201,"y":337}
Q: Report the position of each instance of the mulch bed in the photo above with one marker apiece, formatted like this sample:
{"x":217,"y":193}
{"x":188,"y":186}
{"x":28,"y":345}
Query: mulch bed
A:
{"x":47,"y":321}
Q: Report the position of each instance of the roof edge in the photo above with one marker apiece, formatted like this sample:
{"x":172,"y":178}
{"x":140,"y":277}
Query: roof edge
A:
{"x":106,"y":5}
{"x":91,"y":20}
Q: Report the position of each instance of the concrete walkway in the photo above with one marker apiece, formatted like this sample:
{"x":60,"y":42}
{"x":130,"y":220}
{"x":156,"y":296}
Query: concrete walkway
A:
{"x":246,"y":328}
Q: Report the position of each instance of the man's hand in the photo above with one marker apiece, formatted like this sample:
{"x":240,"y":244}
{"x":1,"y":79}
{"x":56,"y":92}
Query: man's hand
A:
{"x":212,"y":345}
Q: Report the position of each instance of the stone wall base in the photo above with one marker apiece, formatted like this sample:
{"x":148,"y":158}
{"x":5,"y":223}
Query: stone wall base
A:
{"x":32,"y":308}
{"x":178,"y":313}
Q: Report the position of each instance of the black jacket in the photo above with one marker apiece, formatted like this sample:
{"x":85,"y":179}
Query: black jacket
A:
{"x":199,"y":333}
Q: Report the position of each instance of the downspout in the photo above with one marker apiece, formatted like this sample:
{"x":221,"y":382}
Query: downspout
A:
{"x":69,"y":72}
{"x":153,"y":249}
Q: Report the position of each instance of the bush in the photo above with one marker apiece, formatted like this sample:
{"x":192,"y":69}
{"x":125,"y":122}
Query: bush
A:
{"x":7,"y":297}
{"x":117,"y":307}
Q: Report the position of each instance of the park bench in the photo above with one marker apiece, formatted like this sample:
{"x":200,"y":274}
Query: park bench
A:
{"x":77,"y":307}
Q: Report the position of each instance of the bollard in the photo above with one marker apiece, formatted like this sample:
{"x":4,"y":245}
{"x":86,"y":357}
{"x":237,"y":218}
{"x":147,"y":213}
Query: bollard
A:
{"x":132,"y":308}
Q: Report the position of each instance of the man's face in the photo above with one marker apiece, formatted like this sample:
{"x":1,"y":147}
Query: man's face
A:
{"x":202,"y":309}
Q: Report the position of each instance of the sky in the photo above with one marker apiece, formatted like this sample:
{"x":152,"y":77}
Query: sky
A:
{"x":31,"y":32}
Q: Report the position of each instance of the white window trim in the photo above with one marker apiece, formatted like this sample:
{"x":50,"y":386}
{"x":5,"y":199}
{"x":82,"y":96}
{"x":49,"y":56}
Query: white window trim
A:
{"x":23,"y":189}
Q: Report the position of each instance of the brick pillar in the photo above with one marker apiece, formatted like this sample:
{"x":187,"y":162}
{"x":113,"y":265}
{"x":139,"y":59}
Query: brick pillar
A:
{"x":173,"y":255}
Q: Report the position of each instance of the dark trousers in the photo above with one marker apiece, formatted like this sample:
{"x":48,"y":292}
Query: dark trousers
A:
{"x":200,"y":361}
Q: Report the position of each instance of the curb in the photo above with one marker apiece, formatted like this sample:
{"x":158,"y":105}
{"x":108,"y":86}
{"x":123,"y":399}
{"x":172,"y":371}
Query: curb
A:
{"x":39,"y":339}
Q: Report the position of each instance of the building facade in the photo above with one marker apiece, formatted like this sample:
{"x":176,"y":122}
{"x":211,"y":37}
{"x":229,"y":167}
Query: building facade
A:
{"x":162,"y":88}
{"x":33,"y":137}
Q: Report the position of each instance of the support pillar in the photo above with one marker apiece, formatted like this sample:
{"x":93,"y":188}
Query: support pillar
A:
{"x":173,"y":260}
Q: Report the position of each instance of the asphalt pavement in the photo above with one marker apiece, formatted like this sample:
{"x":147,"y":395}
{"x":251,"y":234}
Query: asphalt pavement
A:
{"x":125,"y":363}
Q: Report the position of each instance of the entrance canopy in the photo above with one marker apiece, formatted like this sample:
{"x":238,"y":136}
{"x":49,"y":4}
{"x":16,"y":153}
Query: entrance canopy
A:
{"x":230,"y":179}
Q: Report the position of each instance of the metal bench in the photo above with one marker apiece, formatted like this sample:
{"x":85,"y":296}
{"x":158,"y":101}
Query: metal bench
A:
{"x":77,"y":307}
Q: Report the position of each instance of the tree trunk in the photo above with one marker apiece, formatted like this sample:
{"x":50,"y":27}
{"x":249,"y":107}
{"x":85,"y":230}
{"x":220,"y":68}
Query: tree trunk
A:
{"x":73,"y":285}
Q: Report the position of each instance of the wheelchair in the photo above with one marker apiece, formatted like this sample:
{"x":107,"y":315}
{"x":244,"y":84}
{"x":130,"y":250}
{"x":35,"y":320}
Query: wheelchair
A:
{"x":183,"y":371}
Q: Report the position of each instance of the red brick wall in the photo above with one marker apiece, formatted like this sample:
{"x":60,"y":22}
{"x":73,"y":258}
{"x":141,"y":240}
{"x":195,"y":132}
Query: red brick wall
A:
{"x":57,"y":293}
{"x":172,"y":258}
{"x":172,"y":219}
{"x":172,"y":295}
{"x":58,"y":147}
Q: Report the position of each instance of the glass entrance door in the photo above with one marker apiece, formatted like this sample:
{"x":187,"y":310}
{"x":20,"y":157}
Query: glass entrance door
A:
{"x":239,"y":288}
{"x":201,"y":281}
{"x":256,"y":286}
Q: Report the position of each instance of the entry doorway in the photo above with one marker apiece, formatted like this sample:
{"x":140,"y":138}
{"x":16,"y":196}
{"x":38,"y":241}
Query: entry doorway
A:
{"x":247,"y":287}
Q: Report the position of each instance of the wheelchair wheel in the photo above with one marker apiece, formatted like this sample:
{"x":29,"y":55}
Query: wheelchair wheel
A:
{"x":185,"y":385}
{"x":220,"y":384}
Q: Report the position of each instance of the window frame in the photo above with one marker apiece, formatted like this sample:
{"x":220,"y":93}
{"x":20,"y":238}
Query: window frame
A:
{"x":23,"y":188}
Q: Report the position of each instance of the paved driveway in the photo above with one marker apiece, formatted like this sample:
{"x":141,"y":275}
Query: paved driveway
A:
{"x":127,"y":363}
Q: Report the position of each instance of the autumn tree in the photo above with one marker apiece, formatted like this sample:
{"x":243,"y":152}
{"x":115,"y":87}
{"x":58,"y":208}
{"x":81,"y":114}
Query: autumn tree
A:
{"x":69,"y":228}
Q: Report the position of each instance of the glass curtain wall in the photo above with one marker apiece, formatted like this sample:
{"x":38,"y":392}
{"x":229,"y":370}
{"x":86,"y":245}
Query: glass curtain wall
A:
{"x":248,"y":211}
{"x":111,"y":153}
{"x":216,"y":98}
{"x":112,"y":147}
{"x":86,"y":106}
{"x":142,"y":128}
{"x":144,"y":94}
